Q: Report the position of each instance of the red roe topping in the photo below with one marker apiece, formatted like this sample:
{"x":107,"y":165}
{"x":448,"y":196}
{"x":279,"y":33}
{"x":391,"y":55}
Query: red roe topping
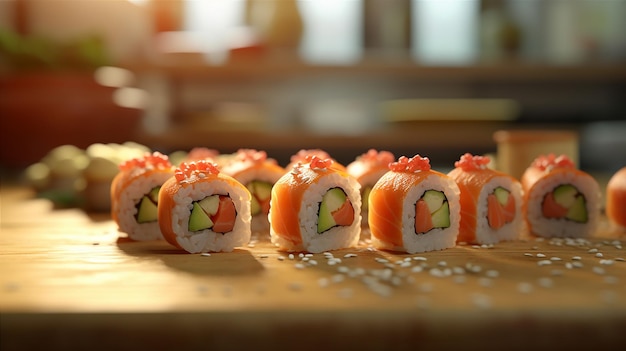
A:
{"x":189,"y":171}
{"x":550,"y":161}
{"x":468,"y":162}
{"x":251,"y":155}
{"x":304,"y":154}
{"x":153,"y":160}
{"x":414,"y":164}
{"x":376,"y":157}
{"x":202,"y":153}
{"x":319,"y":163}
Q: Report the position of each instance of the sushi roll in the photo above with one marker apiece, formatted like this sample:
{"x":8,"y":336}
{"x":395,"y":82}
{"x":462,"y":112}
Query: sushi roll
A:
{"x":202,"y":209}
{"x":491,"y":202}
{"x":413,"y":208}
{"x":559,"y":199}
{"x":367,"y":168}
{"x":315,"y":207}
{"x":135,"y":194}
{"x":616,"y":200}
{"x":258,"y":173}
{"x":304,"y":155}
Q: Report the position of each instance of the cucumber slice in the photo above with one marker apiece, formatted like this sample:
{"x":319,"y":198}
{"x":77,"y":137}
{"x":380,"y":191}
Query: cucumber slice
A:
{"x":502,"y":195}
{"x":434,"y":199}
{"x":565,"y":195}
{"x":331,"y":201}
{"x":578,"y":211}
{"x":199,"y":220}
{"x":146,"y":210}
{"x":441,"y":217}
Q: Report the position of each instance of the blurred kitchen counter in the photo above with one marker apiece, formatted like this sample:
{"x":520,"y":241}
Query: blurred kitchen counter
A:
{"x":68,"y":279}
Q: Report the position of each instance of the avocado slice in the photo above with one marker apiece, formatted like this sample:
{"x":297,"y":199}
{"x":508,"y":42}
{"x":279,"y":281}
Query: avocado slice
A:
{"x":199,"y":220}
{"x":434,"y":199}
{"x":210,"y":204}
{"x":441,"y":217}
{"x":565,"y":195}
{"x":365,"y":195}
{"x":502,"y":195}
{"x":262,"y":190}
{"x":154,"y":194}
{"x":331,"y":201}
{"x":146,"y":210}
{"x":578,"y":211}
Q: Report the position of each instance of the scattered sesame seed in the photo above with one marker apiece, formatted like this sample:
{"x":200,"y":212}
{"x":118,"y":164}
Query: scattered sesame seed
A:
{"x":313,"y":262}
{"x":309,"y":255}
{"x":599,"y":254}
{"x":419,"y":258}
{"x":458,"y":270}
{"x":528,"y":254}
{"x":371,"y":249}
{"x":281,"y":258}
{"x":291,"y":256}
{"x":350,"y":255}
{"x":381,"y":260}
{"x":556,"y":272}
{"x":251,"y":245}
{"x":442,"y":263}
{"x":205,"y":254}
{"x":594,"y":250}
{"x":540,"y":255}
{"x":535,"y":247}
{"x":338,"y":278}
{"x":264,"y":256}
{"x":300,"y":255}
{"x":577,"y":264}
{"x":459,"y":279}
{"x":299,"y":266}
{"x":577,"y":258}
{"x":606,"y":262}
{"x":568,"y":265}
{"x":555,"y":258}
{"x":405,"y":264}
{"x":476,"y":246}
{"x":621,"y":259}
{"x":305,"y":259}
{"x":343,"y":269}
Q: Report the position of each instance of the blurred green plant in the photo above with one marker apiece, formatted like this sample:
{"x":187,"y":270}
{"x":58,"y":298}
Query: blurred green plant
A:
{"x":33,"y":52}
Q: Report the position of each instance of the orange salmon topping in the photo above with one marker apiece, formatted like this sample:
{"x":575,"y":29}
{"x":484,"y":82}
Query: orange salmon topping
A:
{"x":410,"y":165}
{"x":469,"y":162}
{"x":190,"y":171}
{"x":378,"y":157}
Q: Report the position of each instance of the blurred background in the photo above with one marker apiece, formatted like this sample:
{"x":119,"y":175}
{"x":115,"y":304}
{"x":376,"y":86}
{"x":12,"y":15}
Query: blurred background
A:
{"x":434,"y":77}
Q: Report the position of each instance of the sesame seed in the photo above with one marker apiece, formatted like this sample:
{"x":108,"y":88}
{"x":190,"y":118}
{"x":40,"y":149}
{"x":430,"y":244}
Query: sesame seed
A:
{"x":540,"y":255}
{"x":205,"y":254}
{"x":598,"y":270}
{"x":442,"y":263}
{"x":301,"y":255}
{"x":291,"y":257}
{"x":343,"y":269}
{"x":281,"y":258}
{"x":416,"y":269}
{"x":621,"y":259}
{"x":458,"y":270}
{"x":524,"y":288}
{"x":419,"y":258}
{"x":556,"y":272}
{"x":309,"y":255}
{"x":568,"y":265}
{"x":599,"y":254}
{"x":371,"y":249}
{"x":528,"y":254}
{"x":313,"y":262}
{"x":338,"y":278}
{"x":555,"y":259}
{"x":577,"y":258}
{"x":405,"y":264}
{"x":545,"y":282}
{"x":476,"y":246}
{"x":606,"y":262}
{"x":492,"y":273}
{"x":350,"y":255}
{"x":535,"y":247}
{"x":594,"y":250}
{"x":299,"y":266}
{"x":544,"y":262}
{"x":577,"y":264}
{"x":305,"y":259}
{"x":251,"y":245}
{"x":263,"y":256}
{"x":381,"y":260}
{"x":459,"y":279}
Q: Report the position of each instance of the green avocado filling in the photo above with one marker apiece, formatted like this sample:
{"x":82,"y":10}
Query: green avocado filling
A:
{"x":331,"y":201}
{"x":569,"y":197}
{"x":147,"y":206}
{"x":438,"y":207}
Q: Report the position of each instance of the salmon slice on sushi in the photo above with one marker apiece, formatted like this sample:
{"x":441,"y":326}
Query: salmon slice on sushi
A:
{"x":559,"y":199}
{"x":258,"y":173}
{"x":204,"y":210}
{"x":616,"y":200}
{"x":491,"y":202}
{"x":304,"y":155}
{"x":367,"y":168}
{"x":315,"y":207}
{"x":135,"y":193}
{"x":413,"y":208}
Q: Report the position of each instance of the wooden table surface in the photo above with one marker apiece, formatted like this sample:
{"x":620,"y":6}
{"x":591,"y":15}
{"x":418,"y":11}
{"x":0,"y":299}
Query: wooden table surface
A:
{"x":68,"y":279}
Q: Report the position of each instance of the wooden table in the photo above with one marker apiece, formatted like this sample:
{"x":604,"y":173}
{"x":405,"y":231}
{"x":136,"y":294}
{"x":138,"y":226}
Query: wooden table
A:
{"x":69,"y":280}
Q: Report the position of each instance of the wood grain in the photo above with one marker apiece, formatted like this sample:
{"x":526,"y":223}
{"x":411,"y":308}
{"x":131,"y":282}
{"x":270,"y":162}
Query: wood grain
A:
{"x":68,"y":276}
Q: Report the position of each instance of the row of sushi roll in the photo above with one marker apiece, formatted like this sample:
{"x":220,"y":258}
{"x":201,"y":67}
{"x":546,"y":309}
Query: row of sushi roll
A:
{"x":214,"y":202}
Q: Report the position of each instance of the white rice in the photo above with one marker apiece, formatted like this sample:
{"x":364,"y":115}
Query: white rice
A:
{"x":208,"y":240}
{"x":561,"y":227}
{"x":437,"y":238}
{"x":335,"y":238}
{"x":126,"y":207}
{"x":508,"y":232}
